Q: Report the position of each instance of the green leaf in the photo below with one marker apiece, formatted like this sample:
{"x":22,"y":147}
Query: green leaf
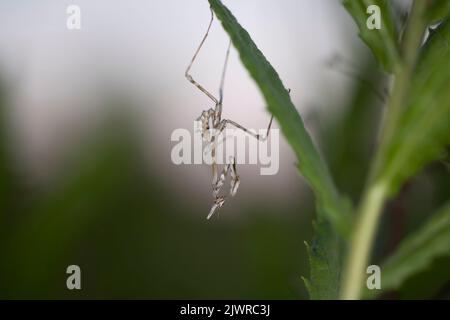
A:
{"x":417,"y":251}
{"x":422,"y":133}
{"x":323,"y":254}
{"x":382,"y":42}
{"x":329,"y":202}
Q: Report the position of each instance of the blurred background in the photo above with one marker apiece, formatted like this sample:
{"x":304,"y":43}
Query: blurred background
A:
{"x":86,"y":176}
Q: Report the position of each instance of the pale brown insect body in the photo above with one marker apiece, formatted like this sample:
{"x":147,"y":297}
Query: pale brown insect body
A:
{"x":212,"y":125}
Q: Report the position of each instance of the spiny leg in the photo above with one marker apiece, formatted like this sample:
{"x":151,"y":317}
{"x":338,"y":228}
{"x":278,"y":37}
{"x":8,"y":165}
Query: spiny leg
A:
{"x":225,"y":122}
{"x":220,"y":180}
{"x":188,"y":76}
{"x":229,"y":167}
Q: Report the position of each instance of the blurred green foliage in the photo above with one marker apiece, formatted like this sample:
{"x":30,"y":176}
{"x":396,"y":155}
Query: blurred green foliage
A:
{"x":415,"y":131}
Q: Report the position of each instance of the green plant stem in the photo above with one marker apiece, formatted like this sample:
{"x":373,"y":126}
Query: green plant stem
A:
{"x":361,"y":245}
{"x":375,"y":195}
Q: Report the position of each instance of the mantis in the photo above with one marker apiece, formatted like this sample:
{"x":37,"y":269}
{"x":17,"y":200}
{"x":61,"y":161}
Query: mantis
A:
{"x":212,"y":125}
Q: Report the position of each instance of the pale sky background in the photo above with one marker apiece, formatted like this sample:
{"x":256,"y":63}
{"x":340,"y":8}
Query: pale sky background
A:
{"x":60,"y":78}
